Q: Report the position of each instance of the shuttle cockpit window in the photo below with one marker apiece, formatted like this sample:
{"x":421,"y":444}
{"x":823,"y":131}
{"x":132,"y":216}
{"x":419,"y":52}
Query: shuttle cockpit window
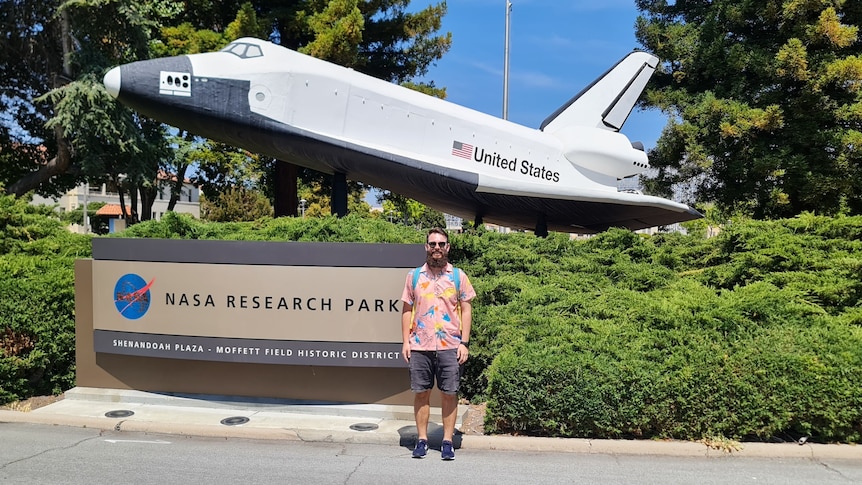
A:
{"x":243,"y":50}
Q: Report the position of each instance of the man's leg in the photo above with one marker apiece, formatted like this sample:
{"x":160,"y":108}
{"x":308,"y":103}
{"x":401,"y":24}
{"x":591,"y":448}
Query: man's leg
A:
{"x":450,"y":414}
{"x":449,"y":375}
{"x":422,"y":411}
{"x":421,"y":382}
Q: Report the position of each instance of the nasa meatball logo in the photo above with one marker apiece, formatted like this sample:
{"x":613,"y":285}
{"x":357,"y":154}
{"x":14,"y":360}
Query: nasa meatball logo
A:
{"x":132,"y":296}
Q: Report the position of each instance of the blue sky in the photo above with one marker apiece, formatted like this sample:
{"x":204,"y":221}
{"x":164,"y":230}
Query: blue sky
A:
{"x":557,"y":47}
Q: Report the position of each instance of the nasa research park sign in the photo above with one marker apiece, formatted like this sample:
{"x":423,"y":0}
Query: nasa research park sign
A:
{"x":215,"y":316}
{"x":270,"y":303}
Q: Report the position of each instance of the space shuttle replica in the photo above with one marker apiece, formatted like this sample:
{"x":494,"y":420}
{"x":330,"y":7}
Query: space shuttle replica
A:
{"x":277,"y":102}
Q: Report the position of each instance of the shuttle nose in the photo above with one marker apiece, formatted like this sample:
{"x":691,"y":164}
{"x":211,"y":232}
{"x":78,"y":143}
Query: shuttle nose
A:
{"x":112,"y":82}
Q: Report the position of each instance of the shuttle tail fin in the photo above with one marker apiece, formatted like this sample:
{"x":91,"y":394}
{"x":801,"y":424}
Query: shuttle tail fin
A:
{"x":608,"y":101}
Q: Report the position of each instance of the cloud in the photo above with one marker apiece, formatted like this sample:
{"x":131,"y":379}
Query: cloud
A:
{"x":569,"y":6}
{"x":593,"y":6}
{"x":558,"y":49}
{"x":534,"y":79}
{"x":554,"y":41}
{"x":527,"y":78}
{"x":487,"y":68}
{"x":583,"y":5}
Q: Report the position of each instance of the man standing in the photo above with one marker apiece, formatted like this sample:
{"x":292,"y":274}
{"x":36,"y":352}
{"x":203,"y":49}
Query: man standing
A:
{"x":435,"y":334}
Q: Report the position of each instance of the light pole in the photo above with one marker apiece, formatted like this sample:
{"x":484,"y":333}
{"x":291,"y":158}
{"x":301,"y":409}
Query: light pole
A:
{"x":302,"y":207}
{"x":86,"y":215}
{"x":506,"y":63}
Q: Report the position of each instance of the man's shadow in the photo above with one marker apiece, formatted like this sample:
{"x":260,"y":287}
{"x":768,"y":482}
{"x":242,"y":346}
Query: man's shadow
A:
{"x":409,"y":436}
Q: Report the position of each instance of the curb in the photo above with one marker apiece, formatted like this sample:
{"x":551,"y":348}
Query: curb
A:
{"x":477,"y":442}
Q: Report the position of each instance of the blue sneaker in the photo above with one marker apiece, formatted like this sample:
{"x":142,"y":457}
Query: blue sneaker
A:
{"x":421,"y":449}
{"x":448,"y":452}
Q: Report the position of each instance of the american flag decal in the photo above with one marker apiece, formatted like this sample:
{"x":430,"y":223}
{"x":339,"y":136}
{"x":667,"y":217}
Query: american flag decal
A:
{"x":462,"y":150}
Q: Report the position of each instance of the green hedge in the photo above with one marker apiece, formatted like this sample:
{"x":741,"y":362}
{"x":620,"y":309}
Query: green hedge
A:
{"x":753,"y":334}
{"x":37,"y":300}
{"x":756,"y":363}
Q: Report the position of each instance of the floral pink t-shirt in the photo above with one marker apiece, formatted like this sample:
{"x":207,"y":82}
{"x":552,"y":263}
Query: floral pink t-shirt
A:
{"x":436,"y":321}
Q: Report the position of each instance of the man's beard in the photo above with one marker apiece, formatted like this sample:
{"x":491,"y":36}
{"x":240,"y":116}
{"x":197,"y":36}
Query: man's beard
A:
{"x":436,"y":262}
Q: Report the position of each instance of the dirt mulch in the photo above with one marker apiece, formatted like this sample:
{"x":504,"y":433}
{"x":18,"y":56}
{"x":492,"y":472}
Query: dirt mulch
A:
{"x":474,"y":420}
{"x":27,"y":405}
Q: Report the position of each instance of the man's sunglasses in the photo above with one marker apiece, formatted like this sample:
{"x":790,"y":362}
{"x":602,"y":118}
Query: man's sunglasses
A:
{"x":435,"y":244}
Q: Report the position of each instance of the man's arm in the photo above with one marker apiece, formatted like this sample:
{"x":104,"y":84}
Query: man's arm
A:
{"x":406,"y":322}
{"x":466,"y":326}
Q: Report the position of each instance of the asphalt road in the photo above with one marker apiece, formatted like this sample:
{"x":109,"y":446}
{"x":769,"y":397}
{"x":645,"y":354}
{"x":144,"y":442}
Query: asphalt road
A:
{"x":47,"y":454}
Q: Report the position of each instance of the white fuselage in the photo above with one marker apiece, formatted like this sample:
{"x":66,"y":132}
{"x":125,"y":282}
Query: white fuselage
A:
{"x":342,"y":104}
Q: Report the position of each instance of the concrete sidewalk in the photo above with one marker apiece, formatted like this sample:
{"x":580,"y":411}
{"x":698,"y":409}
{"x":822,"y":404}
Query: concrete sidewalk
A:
{"x":225,"y":417}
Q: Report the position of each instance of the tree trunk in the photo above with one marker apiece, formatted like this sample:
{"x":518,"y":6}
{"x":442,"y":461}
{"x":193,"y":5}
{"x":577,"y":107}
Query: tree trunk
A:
{"x":123,"y":211}
{"x":61,"y":162}
{"x":177,"y":186}
{"x":148,"y":197}
{"x":56,"y":166}
{"x":133,"y":203}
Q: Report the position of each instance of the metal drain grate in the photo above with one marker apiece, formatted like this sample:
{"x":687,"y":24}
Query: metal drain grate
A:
{"x":234,"y":420}
{"x":119,"y":413}
{"x":363,"y":427}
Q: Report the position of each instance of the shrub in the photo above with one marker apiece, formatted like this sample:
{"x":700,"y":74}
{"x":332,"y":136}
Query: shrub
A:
{"x":677,"y":336}
{"x":753,"y":334}
{"x":37,"y":300}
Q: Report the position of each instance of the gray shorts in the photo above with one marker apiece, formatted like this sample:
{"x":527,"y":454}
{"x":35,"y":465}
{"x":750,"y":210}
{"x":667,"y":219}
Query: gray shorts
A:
{"x":426,"y":365}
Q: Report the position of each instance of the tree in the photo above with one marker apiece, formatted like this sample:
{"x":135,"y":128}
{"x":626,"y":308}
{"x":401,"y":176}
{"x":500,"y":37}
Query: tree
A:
{"x":62,"y":127}
{"x":221,"y":167}
{"x":765,"y":99}
{"x":337,"y":30}
{"x":31,"y":63}
{"x":410,"y":212}
{"x":96,"y":224}
{"x":235,"y":205}
{"x":315,"y":188}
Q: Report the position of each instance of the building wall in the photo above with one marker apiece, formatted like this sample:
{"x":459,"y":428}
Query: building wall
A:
{"x":189,"y":203}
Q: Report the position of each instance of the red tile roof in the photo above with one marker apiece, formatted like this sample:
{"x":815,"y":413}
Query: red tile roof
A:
{"x":112,"y":210}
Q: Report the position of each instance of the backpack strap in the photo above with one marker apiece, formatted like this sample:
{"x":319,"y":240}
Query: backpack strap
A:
{"x":457,"y":275}
{"x":416,"y":280}
{"x":413,"y":311}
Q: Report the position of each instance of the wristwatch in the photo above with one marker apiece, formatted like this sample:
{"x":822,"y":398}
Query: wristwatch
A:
{"x":465,"y":344}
